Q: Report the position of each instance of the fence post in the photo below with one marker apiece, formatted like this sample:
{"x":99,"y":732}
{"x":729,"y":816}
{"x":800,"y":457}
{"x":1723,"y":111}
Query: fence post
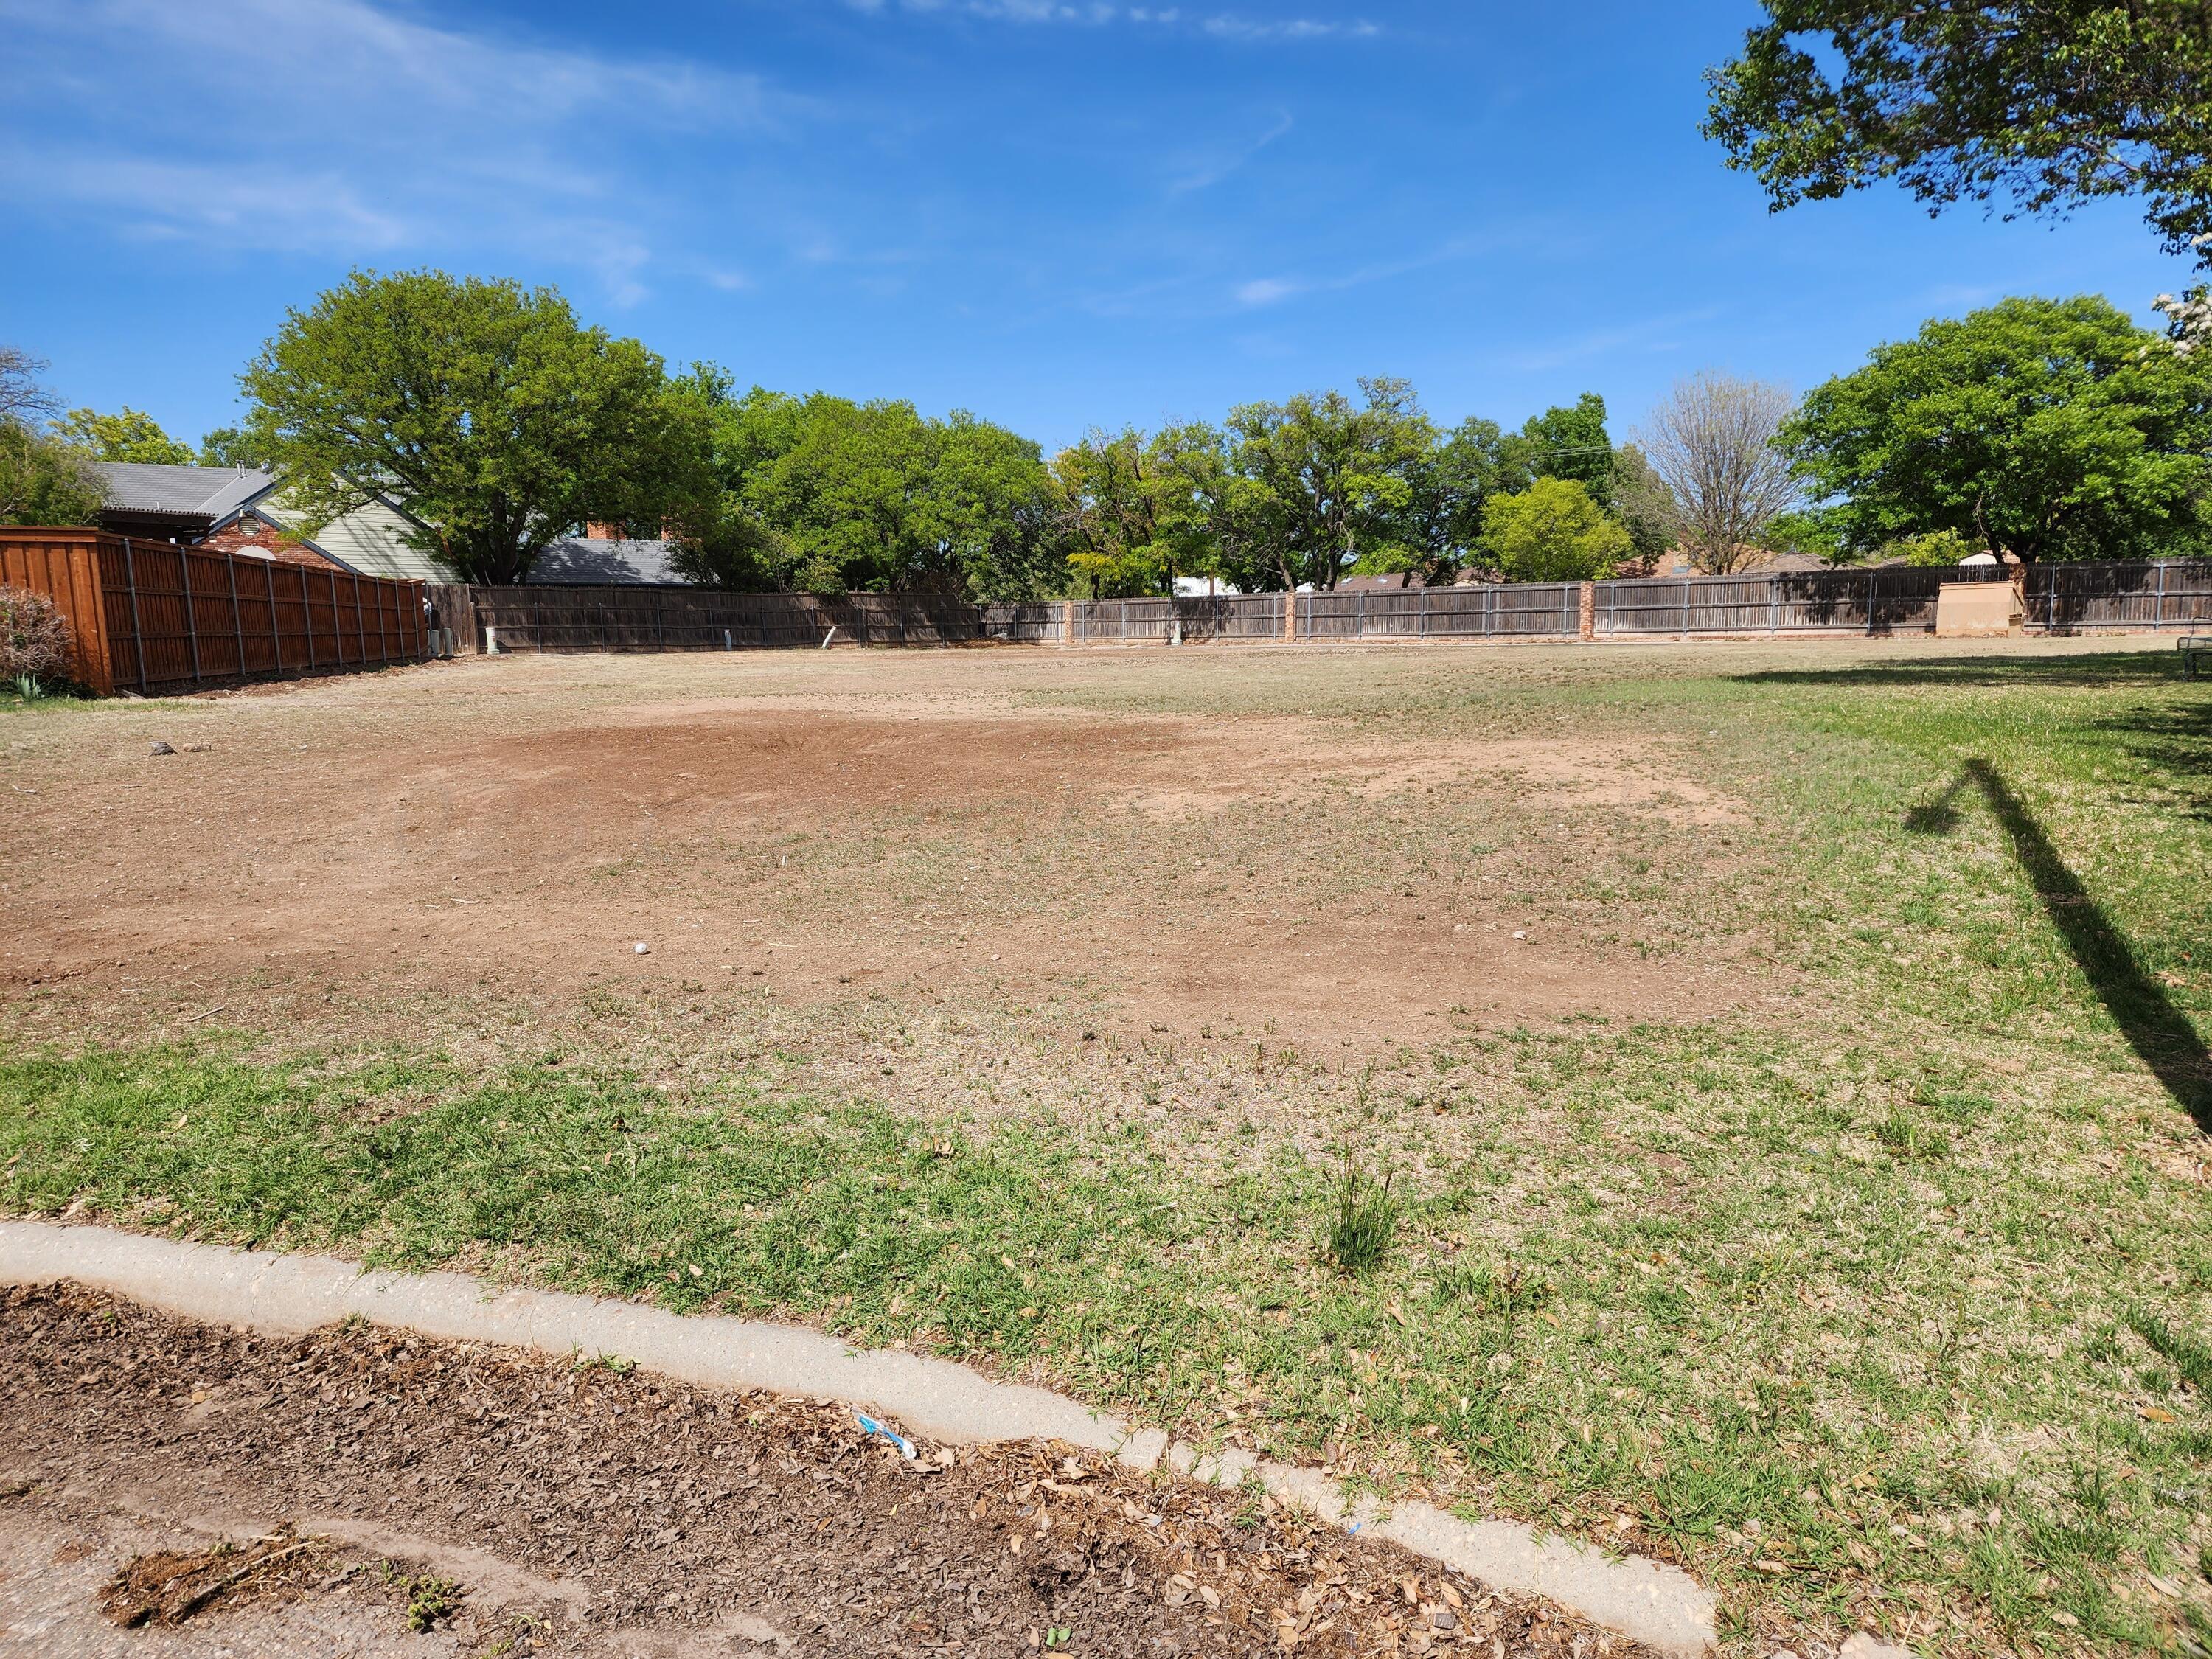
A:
{"x":1290,"y":615}
{"x":1686,"y":607}
{"x":1125,"y":621}
{"x":2158,"y":614}
{"x":192,"y":621}
{"x":1870,"y":602}
{"x":1586,"y":620}
{"x":1359,"y":615}
{"x":276,"y":628}
{"x":360,"y":623}
{"x":1421,"y":629}
{"x":1490,"y":611}
{"x":1067,"y":623}
{"x":1773,"y":604}
{"x":237,"y":621}
{"x":138,"y":632}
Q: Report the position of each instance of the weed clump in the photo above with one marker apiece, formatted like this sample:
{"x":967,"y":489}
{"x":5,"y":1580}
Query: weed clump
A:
{"x":1364,"y":1220}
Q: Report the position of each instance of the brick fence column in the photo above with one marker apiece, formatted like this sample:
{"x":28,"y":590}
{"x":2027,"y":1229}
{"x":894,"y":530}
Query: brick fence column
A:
{"x":1588,"y":620}
{"x":1290,"y":617}
{"x":1067,"y":623}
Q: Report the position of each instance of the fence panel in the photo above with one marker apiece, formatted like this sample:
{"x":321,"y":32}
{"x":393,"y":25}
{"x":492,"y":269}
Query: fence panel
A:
{"x":2174,"y":594}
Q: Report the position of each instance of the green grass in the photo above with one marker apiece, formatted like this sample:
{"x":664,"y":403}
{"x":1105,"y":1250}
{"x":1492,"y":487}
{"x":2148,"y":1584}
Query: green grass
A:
{"x":1894,"y":1307}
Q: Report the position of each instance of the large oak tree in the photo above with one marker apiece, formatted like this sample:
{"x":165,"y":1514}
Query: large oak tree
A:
{"x":482,"y":409}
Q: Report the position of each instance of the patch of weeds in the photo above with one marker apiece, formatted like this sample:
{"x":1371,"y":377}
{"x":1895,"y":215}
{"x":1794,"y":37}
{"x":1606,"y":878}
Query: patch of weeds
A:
{"x":1906,"y":1137}
{"x":1365,"y":1220}
{"x":429,"y":1598}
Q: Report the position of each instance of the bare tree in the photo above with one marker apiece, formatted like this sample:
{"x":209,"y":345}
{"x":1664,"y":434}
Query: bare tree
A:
{"x":1711,"y":442}
{"x":22,"y":399}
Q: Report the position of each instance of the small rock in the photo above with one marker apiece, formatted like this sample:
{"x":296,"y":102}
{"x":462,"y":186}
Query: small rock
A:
{"x":160,"y":748}
{"x":194,"y":749}
{"x":1519,"y":933}
{"x":1861,"y":1644}
{"x":642,"y":949}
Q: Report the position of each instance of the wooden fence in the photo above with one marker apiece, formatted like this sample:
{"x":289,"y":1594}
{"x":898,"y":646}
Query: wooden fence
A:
{"x":1886,"y":599}
{"x":150,"y":616}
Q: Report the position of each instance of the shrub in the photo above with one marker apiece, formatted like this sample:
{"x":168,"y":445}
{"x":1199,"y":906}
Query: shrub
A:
{"x":35,"y":640}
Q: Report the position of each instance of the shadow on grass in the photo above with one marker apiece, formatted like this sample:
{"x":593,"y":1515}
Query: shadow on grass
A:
{"x":2164,"y":1037}
{"x":2145,"y":665}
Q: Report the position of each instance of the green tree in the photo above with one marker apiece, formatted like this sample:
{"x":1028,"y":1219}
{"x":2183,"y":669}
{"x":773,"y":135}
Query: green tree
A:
{"x":1644,"y":506}
{"x":1135,"y":513}
{"x":480,"y":408}
{"x":2054,"y":428}
{"x":1552,"y":531}
{"x":46,"y":480}
{"x":131,"y":436}
{"x":1324,"y":482}
{"x":827,"y":495}
{"x":225,"y":446}
{"x":2045,"y":103}
{"x":1563,"y":443}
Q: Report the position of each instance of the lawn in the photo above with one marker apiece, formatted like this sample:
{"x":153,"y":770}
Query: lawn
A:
{"x":1792,"y":1105}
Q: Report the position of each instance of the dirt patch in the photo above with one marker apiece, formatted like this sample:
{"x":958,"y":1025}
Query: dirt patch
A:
{"x":692,"y":1521}
{"x":1166,"y":870}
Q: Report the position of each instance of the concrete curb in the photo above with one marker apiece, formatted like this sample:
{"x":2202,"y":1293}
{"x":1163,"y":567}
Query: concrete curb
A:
{"x":1658,"y":1605}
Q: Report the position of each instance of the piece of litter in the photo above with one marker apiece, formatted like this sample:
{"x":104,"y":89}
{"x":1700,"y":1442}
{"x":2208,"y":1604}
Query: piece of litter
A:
{"x":1518,"y":934}
{"x":884,"y":1431}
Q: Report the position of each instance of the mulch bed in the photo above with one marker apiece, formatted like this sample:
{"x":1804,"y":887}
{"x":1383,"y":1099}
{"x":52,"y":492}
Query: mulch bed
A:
{"x":675,"y":1507}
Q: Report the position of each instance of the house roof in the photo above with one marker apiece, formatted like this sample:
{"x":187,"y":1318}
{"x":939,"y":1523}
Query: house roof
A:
{"x":587,"y":561}
{"x":212,"y":492}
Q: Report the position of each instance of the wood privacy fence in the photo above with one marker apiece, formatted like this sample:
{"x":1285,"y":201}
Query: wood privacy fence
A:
{"x":1888,"y":599}
{"x":149,"y":616}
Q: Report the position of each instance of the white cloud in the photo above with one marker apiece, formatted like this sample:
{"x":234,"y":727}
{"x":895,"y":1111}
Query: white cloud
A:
{"x":354,"y":129}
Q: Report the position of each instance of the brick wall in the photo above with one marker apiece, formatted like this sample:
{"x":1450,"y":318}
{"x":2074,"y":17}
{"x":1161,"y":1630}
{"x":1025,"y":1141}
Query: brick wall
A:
{"x":238,"y":536}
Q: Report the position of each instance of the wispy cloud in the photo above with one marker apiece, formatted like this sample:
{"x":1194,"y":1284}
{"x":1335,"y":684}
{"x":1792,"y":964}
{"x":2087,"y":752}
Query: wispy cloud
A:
{"x":382,"y":135}
{"x":1205,"y":174}
{"x":1651,"y":335}
{"x":1267,"y":291}
{"x":1273,"y":290}
{"x":1099,"y":13}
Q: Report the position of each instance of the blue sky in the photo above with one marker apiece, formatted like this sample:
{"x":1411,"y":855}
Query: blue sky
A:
{"x":1056,"y":215}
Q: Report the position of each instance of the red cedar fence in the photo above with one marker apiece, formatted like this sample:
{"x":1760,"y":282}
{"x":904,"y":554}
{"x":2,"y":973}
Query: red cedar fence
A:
{"x":149,"y":616}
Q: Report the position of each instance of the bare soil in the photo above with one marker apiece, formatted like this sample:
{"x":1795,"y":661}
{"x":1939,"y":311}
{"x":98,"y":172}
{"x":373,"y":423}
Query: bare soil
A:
{"x":959,"y":827}
{"x":402,"y":1496}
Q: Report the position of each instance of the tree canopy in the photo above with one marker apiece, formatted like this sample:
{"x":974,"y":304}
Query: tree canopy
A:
{"x":1327,"y":481}
{"x":44,"y":479}
{"x":1553,"y":531}
{"x":827,"y":495}
{"x":131,"y":436}
{"x":2045,"y":104}
{"x":480,"y":408}
{"x":2051,"y":428}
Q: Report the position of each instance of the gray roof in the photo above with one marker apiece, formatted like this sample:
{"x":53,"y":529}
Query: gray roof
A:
{"x":140,"y":487}
{"x":587,"y":562}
